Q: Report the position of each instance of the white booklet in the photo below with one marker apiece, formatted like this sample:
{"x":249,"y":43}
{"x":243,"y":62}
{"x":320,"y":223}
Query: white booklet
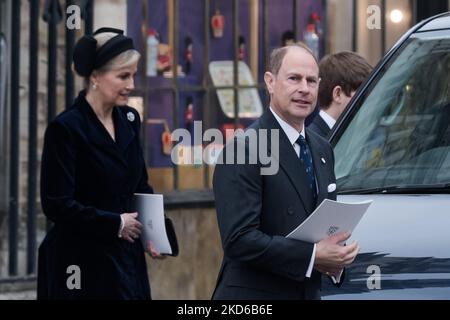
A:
{"x":150,"y":208}
{"x":330,"y":217}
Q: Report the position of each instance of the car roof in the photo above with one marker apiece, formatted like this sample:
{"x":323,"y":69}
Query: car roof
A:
{"x":437,"y":23}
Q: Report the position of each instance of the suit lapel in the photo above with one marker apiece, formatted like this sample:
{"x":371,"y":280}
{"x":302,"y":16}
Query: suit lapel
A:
{"x":320,"y":166}
{"x":290,"y":162}
{"x":322,"y":125}
{"x":326,"y":129}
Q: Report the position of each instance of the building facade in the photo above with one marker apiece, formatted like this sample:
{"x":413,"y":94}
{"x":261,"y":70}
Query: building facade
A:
{"x":37,"y":82}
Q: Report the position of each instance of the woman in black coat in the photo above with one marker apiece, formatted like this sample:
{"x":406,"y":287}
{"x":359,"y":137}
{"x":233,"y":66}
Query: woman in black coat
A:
{"x":92,"y":164}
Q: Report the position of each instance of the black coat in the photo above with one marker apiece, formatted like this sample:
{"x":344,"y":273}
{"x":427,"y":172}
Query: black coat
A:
{"x":319,"y":126}
{"x":87,"y":181}
{"x":255,"y":212}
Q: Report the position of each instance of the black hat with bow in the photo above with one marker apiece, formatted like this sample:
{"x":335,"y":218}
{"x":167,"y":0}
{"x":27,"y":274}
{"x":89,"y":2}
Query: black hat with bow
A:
{"x":87,"y":58}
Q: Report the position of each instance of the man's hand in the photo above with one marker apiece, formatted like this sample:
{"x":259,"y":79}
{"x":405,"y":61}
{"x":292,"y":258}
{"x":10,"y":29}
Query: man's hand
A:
{"x":331,"y":256}
{"x":131,"y":226}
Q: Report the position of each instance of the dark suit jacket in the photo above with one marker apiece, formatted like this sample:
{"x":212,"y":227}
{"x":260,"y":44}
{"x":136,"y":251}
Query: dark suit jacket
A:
{"x":319,"y":126}
{"x":87,"y":181}
{"x":256,"y":212}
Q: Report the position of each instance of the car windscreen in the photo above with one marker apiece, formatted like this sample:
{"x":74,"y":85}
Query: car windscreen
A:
{"x":400,"y":135}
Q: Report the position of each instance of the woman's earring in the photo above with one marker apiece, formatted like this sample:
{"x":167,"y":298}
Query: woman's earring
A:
{"x":94,"y":86}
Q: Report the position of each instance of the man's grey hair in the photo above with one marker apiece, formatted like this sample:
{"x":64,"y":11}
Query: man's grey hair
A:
{"x":277,"y":56}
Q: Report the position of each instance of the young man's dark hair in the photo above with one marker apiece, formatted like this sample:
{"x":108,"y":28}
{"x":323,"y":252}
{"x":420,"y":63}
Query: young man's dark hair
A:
{"x":345,"y":69}
{"x":341,"y":74}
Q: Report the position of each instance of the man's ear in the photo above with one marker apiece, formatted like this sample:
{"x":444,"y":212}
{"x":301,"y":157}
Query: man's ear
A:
{"x":269,"y":79}
{"x":337,"y":94}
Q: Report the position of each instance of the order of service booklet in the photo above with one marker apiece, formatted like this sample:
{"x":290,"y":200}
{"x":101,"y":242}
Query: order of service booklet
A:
{"x":150,"y":208}
{"x":330,"y":217}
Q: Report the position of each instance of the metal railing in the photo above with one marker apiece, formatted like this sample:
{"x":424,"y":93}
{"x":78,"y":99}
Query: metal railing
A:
{"x":53,"y":15}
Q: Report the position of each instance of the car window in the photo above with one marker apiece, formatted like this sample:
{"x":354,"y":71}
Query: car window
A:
{"x":3,"y":64}
{"x":3,"y":122}
{"x":400,"y":135}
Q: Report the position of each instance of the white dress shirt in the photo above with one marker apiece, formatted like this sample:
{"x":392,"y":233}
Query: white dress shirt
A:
{"x":329,"y":120}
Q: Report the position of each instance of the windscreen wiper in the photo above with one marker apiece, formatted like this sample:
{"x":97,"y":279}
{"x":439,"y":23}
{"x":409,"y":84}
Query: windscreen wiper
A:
{"x":402,"y":189}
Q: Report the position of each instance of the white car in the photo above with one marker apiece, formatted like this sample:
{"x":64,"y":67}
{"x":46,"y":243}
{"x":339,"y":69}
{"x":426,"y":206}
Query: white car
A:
{"x":392,"y":145}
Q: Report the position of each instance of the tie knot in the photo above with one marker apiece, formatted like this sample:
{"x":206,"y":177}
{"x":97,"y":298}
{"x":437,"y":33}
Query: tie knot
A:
{"x":301,"y":140}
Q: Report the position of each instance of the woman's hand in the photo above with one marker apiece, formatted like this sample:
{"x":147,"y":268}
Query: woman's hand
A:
{"x":153,"y":252}
{"x":131,"y":226}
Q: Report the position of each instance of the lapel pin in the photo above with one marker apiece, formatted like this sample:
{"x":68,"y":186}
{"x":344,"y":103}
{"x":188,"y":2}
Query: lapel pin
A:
{"x":331,"y":187}
{"x":130,"y":116}
{"x":323,"y":160}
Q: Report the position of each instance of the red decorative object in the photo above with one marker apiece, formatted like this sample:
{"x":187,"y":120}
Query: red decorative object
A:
{"x":218,"y":24}
{"x":241,"y":48}
{"x":189,"y":113}
{"x":228,"y":130}
{"x":189,"y":53}
{"x":166,"y":140}
{"x":314,"y":18}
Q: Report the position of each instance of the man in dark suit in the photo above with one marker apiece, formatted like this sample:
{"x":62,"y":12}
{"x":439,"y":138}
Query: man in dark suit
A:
{"x":341,"y":74}
{"x":256,"y":211}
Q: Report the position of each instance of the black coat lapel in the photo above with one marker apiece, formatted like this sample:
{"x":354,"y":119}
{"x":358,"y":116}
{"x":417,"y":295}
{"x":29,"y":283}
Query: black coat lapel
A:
{"x":290,"y":162}
{"x":322,"y":125}
{"x":99,"y":136}
{"x":124,"y":130}
{"x":320,"y":165}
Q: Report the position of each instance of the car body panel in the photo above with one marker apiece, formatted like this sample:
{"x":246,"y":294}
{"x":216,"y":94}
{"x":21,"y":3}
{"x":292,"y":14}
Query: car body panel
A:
{"x":404,"y":236}
{"x":407,"y":238}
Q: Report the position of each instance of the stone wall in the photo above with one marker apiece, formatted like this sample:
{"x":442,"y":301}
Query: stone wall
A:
{"x":110,"y":13}
{"x":193,"y":274}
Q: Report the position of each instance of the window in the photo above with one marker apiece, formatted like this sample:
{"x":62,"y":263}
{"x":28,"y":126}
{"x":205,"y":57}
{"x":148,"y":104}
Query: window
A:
{"x":200,"y":38}
{"x":3,"y":86}
{"x":400,"y":136}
